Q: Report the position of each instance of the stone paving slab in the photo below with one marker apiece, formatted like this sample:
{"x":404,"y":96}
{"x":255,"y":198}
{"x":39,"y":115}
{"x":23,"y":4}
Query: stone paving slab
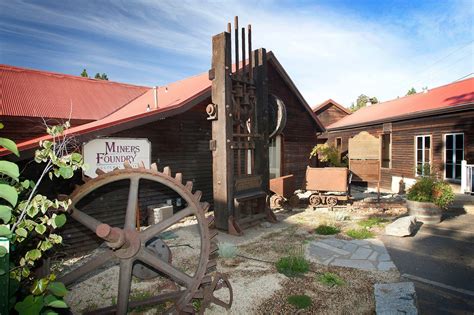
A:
{"x":367,"y":254}
{"x":395,"y":298}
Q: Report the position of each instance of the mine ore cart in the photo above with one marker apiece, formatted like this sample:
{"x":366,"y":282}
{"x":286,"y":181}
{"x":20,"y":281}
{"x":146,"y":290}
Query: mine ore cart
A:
{"x":329,"y":185}
{"x":283,"y":192}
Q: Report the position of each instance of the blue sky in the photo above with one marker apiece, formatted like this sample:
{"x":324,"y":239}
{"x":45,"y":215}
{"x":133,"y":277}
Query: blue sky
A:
{"x":331,"y":49}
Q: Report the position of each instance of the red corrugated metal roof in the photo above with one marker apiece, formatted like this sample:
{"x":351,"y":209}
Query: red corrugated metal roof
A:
{"x":174,"y":97}
{"x":33,"y":93}
{"x":446,"y":96}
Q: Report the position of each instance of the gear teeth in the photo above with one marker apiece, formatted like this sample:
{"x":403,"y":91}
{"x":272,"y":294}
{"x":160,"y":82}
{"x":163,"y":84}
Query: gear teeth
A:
{"x":99,"y":172}
{"x":211,"y":266}
{"x":154,"y":167}
{"x":179,"y":177}
{"x":141,"y":164}
{"x":210,"y":220}
{"x":206,"y":279}
{"x":214,"y":248}
{"x":167,"y":171}
{"x":198,"y":195}
{"x":127,"y":165}
{"x":189,"y":185}
{"x":212,"y":233}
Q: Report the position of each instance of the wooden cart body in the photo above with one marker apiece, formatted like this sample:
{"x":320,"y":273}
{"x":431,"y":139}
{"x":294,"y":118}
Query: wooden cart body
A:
{"x":328,"y":184}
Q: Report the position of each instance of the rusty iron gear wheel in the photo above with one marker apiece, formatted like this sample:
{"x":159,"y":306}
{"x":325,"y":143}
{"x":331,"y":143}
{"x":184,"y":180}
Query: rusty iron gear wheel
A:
{"x":276,"y":201}
{"x":314,"y":200}
{"x":331,"y":201}
{"x":129,"y":245}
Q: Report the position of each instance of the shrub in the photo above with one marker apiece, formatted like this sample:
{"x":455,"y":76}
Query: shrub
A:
{"x":429,"y":189}
{"x":292,"y":266}
{"x":227,"y":250}
{"x":370,"y":222}
{"x":299,"y":301}
{"x":327,"y":230}
{"x":327,"y":153}
{"x":360,"y":234}
{"x":443,"y":194}
{"x":330,"y":279}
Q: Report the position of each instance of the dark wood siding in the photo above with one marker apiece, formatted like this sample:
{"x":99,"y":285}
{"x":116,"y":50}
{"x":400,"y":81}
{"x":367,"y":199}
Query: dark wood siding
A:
{"x":403,"y":141}
{"x":330,"y":114}
{"x":182,"y":142}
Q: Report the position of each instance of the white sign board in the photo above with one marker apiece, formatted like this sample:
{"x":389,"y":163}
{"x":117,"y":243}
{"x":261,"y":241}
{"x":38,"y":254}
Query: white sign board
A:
{"x":110,"y":153}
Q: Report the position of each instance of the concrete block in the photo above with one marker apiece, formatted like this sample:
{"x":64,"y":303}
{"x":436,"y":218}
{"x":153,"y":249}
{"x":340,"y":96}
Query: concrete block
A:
{"x":395,"y":298}
{"x":157,"y":213}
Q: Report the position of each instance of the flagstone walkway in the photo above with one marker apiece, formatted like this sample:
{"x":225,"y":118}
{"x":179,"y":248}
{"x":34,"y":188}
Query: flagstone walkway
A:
{"x":369,"y":254}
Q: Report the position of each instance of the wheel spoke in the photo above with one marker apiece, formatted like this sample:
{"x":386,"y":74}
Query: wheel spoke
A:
{"x":155,"y":229}
{"x":132,"y":204}
{"x":89,"y":266}
{"x":178,"y":276}
{"x":85,"y":219}
{"x":125,"y":282}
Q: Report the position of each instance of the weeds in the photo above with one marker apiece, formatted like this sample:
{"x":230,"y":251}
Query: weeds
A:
{"x":292,"y":266}
{"x":360,"y":234}
{"x":371,"y":222}
{"x":330,"y":279}
{"x":327,"y":230}
{"x":299,"y":301}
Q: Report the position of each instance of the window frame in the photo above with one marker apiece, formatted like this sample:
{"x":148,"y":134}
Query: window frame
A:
{"x":389,"y":151}
{"x":335,"y":144}
{"x":423,"y":154}
{"x":454,"y":134}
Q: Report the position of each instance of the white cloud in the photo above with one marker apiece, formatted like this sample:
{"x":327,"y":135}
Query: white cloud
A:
{"x":328,"y":53}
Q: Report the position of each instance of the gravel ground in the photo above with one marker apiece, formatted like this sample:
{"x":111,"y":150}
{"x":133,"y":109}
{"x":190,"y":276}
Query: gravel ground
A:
{"x":257,"y":286}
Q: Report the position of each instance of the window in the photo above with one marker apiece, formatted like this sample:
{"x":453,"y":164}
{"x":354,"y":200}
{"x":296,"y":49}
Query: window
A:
{"x":454,"y":154}
{"x":386,"y":150}
{"x":274,"y":154}
{"x":339,"y":144}
{"x":423,"y":155}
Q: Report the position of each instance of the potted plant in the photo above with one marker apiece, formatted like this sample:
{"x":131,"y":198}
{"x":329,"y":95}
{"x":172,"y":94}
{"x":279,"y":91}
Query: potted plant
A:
{"x":427,"y":199}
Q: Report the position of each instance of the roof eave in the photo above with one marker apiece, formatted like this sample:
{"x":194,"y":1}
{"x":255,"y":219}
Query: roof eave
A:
{"x":455,"y":108}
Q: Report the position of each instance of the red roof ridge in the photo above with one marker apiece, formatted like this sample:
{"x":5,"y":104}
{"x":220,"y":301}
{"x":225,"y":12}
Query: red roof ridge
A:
{"x":70,"y":76}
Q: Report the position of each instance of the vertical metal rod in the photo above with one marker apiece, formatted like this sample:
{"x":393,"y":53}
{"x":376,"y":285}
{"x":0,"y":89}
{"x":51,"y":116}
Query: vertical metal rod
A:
{"x":249,"y":27}
{"x":229,"y":28}
{"x":243,"y":52}
{"x":236,"y":30}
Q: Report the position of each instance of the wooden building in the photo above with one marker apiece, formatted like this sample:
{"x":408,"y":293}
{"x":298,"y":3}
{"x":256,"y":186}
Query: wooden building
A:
{"x":328,"y":113}
{"x":172,"y":118}
{"x":432,"y":129}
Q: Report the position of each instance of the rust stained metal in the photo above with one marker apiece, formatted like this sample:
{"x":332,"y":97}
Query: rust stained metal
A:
{"x":129,"y":245}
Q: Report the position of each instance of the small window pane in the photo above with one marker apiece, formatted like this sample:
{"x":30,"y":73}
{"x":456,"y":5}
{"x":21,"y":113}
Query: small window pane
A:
{"x":458,"y":172}
{"x":427,"y":142}
{"x":419,"y":156}
{"x":427,"y":155}
{"x":459,"y":156}
{"x":459,"y":141}
{"x":419,"y":142}
{"x":449,"y":155}
{"x":449,"y":171}
{"x":449,"y":141}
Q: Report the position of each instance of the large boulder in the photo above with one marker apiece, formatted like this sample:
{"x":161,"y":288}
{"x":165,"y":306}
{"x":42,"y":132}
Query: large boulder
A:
{"x":401,"y":227}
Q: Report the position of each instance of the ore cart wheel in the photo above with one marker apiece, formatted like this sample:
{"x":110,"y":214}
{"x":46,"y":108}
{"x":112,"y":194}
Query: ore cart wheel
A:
{"x":331,"y":201}
{"x":314,"y":200}
{"x":276,"y":201}
{"x":129,"y":245}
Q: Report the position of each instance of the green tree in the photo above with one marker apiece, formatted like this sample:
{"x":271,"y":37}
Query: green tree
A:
{"x":30,"y":221}
{"x":102,"y":76}
{"x":411,"y":91}
{"x":362,"y":101}
{"x":84,"y":74}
